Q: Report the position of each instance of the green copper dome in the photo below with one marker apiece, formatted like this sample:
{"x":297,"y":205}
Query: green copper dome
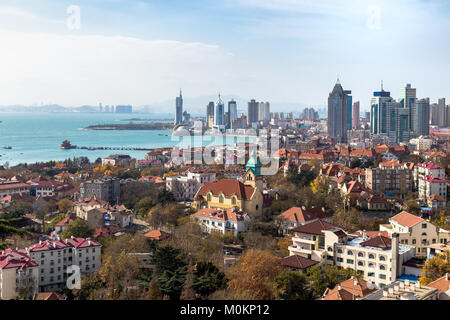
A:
{"x":254,"y":164}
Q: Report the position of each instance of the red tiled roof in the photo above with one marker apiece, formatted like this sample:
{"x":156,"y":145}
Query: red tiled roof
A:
{"x":228,"y":187}
{"x":407,"y":219}
{"x":377,"y":242}
{"x":49,"y":296}
{"x":222,"y":215}
{"x":298,"y":262}
{"x":296,"y":214}
{"x":443,"y":283}
{"x":347,"y":289}
{"x":15,"y":259}
{"x":157,"y":235}
{"x":65,"y":243}
{"x":315,"y":227}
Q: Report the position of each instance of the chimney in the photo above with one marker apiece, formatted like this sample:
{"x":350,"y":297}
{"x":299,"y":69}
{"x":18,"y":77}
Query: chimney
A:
{"x":364,"y":235}
{"x":339,"y":287}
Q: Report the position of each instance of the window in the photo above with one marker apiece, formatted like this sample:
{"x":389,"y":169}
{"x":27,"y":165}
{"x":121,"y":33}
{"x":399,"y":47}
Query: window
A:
{"x":339,"y":250}
{"x":221,"y":199}
{"x":360,"y":254}
{"x":382,"y":276}
{"x":360,"y":263}
{"x":413,"y":241}
{"x":371,"y":274}
{"x":371,"y":265}
{"x":382,"y":258}
{"x":350,"y":253}
{"x":361,"y":272}
{"x":424,"y":234}
{"x":350,"y":261}
{"x":330,"y":249}
{"x":208,"y":197}
{"x":233,"y":200}
{"x":371,"y":256}
{"x":424,"y":225}
{"x":339,"y":259}
{"x":382,"y":267}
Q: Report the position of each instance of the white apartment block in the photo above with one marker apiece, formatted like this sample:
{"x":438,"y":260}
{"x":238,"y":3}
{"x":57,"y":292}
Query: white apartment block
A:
{"x":230,"y":220}
{"x":54,"y":256}
{"x":415,"y":231}
{"x":8,"y":188}
{"x":378,"y":259}
{"x":185,"y":187}
{"x":429,"y":186}
{"x":17,"y":271}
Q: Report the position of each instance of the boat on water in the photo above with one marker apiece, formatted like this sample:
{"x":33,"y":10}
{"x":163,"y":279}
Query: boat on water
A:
{"x":7,"y":147}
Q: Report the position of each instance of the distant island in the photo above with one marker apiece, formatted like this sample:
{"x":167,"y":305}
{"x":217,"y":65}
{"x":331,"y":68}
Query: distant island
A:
{"x":132,"y":126}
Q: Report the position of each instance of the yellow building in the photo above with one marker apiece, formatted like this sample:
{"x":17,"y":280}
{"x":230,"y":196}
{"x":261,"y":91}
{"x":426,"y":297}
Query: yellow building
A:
{"x":228,"y":193}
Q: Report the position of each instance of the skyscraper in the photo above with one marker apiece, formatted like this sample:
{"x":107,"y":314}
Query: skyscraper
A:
{"x":355,"y":115}
{"x":408,"y":101}
{"x":232,"y":112}
{"x":434,"y":114}
{"x":422,"y":117}
{"x":210,"y":114}
{"x":252,"y":112}
{"x":378,"y":109}
{"x":349,"y":109}
{"x":179,"y":109}
{"x":337,"y":113}
{"x":219,"y":113}
{"x":442,"y":113}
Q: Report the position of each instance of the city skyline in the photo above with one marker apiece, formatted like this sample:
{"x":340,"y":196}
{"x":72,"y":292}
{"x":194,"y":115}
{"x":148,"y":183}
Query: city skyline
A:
{"x":144,"y":52}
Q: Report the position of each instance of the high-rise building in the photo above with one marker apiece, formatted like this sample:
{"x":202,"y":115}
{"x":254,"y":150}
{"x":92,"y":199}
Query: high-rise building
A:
{"x":100,"y":108}
{"x":355,"y":115}
{"x":309,"y":114}
{"x":434,"y":114}
{"x":219,"y":113}
{"x":349,"y":109}
{"x":179,"y":109}
{"x":408,"y":101}
{"x":389,"y":118}
{"x":210,"y":114}
{"x":264,"y":111}
{"x":422,"y":117}
{"x":442,"y":113}
{"x":337,"y":113}
{"x":232,"y":112}
{"x":252,"y":112}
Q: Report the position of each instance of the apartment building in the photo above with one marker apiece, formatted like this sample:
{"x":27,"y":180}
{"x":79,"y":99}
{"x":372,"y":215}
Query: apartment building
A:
{"x":104,"y":189}
{"x":10,"y":188}
{"x":378,"y":259}
{"x":17,"y":270}
{"x":230,"y":220}
{"x":296,"y":216}
{"x":55,"y":255}
{"x":429,"y":186}
{"x":404,"y":290}
{"x":391,"y":177}
{"x":99,"y":213}
{"x":415,"y":231}
{"x":184,"y":188}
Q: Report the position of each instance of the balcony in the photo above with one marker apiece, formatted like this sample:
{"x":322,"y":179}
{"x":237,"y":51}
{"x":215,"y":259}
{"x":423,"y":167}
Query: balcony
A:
{"x":303,"y":240}
{"x":298,"y":250}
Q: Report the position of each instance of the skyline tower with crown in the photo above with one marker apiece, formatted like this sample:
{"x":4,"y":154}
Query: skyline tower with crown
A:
{"x":178,"y":109}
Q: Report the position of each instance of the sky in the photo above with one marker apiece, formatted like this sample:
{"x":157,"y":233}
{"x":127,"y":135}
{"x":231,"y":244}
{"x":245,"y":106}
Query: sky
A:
{"x":141,"y":52}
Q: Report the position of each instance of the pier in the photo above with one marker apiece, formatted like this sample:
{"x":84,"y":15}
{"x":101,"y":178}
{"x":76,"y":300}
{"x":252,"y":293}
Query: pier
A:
{"x":66,"y":145}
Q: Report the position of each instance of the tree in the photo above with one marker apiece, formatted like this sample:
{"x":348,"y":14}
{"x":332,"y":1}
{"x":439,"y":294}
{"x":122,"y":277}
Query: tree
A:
{"x":79,"y":229}
{"x":153,"y":291}
{"x":435,"y":267}
{"x":143,"y":206}
{"x":412,"y":206}
{"x":254,"y":274}
{"x":64,"y":205}
{"x":188,"y":292}
{"x":291,"y":285}
{"x":167,"y":258}
{"x":350,"y":220}
{"x":319,"y":185}
{"x":171,"y":282}
{"x":283,"y":245}
{"x":320,"y":279}
{"x":6,"y":229}
{"x":208,"y":279}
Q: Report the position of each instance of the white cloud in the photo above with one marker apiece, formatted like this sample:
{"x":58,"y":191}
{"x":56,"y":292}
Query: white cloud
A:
{"x":75,"y":69}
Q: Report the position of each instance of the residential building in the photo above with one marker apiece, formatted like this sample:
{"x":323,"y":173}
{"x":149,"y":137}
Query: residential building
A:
{"x":404,"y":290}
{"x":107,"y":189}
{"x":10,"y":188}
{"x":390,"y":178}
{"x":298,"y":263}
{"x":184,"y":188}
{"x":429,"y":186}
{"x":17,"y":270}
{"x":117,"y":159}
{"x":378,"y":259}
{"x":296,"y":216}
{"x":415,"y":231}
{"x":442,"y":113}
{"x":350,"y":289}
{"x":229,"y":220}
{"x":55,"y":255}
{"x":41,"y":187}
{"x":421,"y":143}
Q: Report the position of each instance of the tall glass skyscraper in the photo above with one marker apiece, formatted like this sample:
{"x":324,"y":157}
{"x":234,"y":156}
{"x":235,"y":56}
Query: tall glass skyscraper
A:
{"x":422,"y":117}
{"x":219,"y":114}
{"x":408,"y":101}
{"x":179,"y":109}
{"x":338,"y":107}
{"x":232,"y":112}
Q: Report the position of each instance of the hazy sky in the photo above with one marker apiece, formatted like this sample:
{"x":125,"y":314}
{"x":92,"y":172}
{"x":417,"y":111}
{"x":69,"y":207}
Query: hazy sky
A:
{"x":141,"y":52}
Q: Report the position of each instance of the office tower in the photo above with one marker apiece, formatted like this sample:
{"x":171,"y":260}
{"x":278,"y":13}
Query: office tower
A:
{"x":232,"y":112}
{"x":219,"y":113}
{"x":448,"y":115}
{"x":408,"y":101}
{"x":349,"y":109}
{"x":252,"y":112}
{"x":210,"y":114}
{"x":337,"y":113}
{"x":422,"y":117}
{"x":264,"y":111}
{"x":112,"y":109}
{"x":442,"y":114}
{"x":389,"y":118}
{"x":267,"y":111}
{"x":434,"y":114}
{"x":124,"y":109}
{"x":107,"y":108}
{"x":179,"y":109}
{"x":355,"y":115}
{"x":100,"y":107}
